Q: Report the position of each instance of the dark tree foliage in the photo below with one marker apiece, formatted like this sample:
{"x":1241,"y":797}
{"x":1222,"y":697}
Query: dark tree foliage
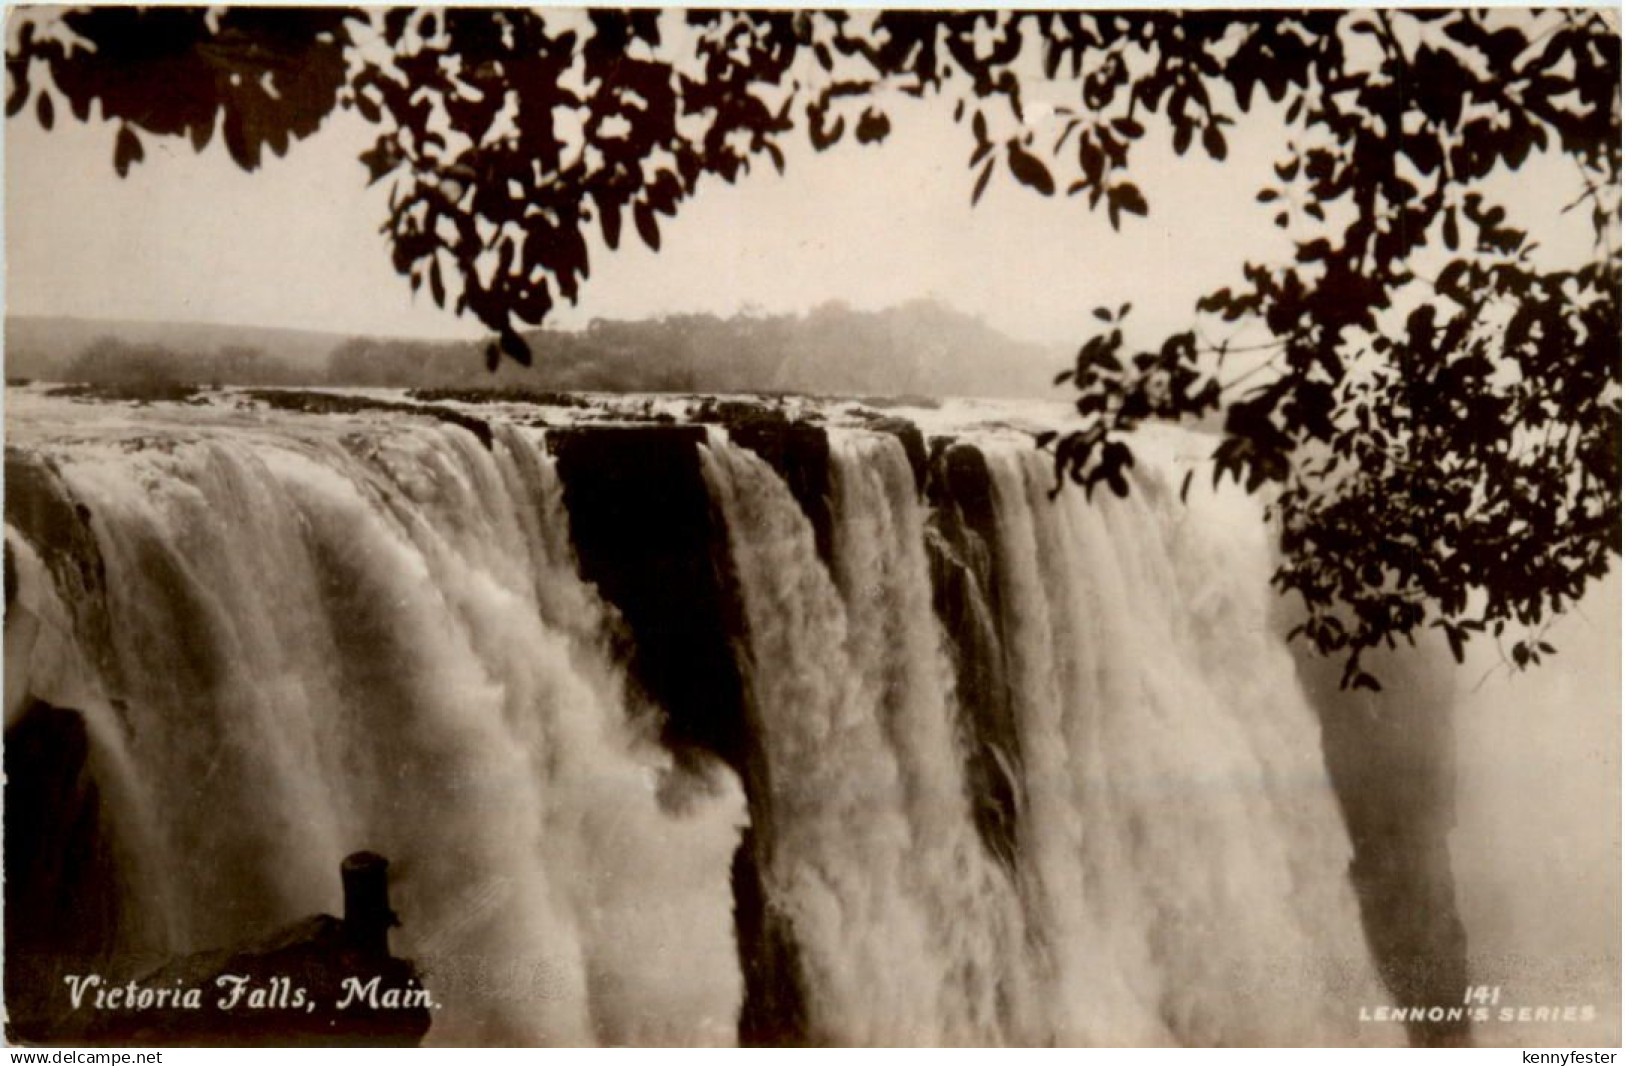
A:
{"x":1434,"y":420}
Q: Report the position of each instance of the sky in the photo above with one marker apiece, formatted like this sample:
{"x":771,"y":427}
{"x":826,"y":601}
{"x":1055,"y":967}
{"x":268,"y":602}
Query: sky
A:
{"x":191,"y":237}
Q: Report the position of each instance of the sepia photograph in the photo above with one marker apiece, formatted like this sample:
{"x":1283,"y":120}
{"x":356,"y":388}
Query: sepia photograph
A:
{"x":930,"y":527}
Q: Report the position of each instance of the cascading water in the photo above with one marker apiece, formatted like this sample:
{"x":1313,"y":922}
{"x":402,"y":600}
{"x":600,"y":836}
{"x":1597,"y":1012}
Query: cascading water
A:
{"x":305,"y":634}
{"x":321,"y":646}
{"x":1173,"y":773}
{"x":907,"y":933}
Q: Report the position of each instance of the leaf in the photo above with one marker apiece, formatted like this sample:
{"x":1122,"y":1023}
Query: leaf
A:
{"x":1044,"y":439}
{"x":823,"y":139}
{"x":1091,"y":159}
{"x":369,"y":110}
{"x":17,"y":97}
{"x":872,"y":128}
{"x":126,"y":150}
{"x":1128,"y":127}
{"x":45,"y":110}
{"x":242,"y":153}
{"x":1452,"y":234}
{"x":1213,"y":141}
{"x":437,"y":287}
{"x":514,"y":346}
{"x":1268,"y":196}
{"x":981,"y":183}
{"x":1103,"y":314}
{"x":379,"y":160}
{"x":1127,"y":198}
{"x":505,"y":255}
{"x":493,"y":357}
{"x":648,"y":228}
{"x":609,"y":219}
{"x":1185,"y":486}
{"x":1030,"y":171}
{"x":1182,"y":137}
{"x":1052,"y":59}
{"x":1449,"y":280}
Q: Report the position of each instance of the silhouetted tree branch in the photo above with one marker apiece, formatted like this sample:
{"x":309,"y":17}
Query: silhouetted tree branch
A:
{"x":1440,"y":451}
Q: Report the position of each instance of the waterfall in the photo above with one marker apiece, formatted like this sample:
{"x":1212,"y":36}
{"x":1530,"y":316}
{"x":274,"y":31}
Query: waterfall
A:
{"x":993,"y":767}
{"x":1178,"y":843}
{"x":1173,"y":773}
{"x":321,"y":647}
{"x":906,"y":930}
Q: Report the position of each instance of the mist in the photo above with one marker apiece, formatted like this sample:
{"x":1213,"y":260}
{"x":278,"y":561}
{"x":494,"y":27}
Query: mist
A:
{"x":1537,"y":842}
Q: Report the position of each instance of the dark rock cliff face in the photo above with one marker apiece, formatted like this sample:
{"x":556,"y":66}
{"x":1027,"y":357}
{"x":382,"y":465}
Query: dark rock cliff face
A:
{"x":644,"y":532}
{"x":1392,"y":761}
{"x":61,"y":890}
{"x":774,"y":1011}
{"x":912,"y":440}
{"x":799,"y":454}
{"x":678,"y":596}
{"x":679,"y":599}
{"x":965,"y":593}
{"x":40,"y":508}
{"x":324,"y":403}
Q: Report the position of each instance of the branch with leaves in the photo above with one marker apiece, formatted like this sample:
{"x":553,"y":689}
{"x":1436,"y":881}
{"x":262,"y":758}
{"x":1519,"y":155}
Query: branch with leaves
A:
{"x":1439,"y":448}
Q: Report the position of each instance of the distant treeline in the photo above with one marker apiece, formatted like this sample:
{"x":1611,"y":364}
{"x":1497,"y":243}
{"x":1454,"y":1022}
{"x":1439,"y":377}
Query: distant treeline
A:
{"x":920,"y":348}
{"x":111,"y":361}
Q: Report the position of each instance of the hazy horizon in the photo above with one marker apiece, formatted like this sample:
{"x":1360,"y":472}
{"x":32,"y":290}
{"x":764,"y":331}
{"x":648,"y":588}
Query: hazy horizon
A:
{"x":920,"y":347}
{"x":112,"y":321}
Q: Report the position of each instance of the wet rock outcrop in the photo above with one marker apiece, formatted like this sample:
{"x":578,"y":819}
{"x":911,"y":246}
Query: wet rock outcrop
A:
{"x":678,"y":597}
{"x":61,"y":888}
{"x":966,"y":597}
{"x":319,"y":981}
{"x":1391,"y":757}
{"x":322,"y":403}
